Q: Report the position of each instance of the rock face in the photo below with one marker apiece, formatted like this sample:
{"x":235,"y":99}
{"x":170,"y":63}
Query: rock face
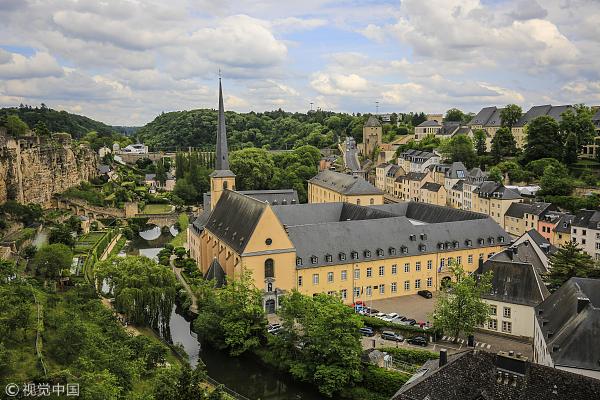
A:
{"x":33,"y":169}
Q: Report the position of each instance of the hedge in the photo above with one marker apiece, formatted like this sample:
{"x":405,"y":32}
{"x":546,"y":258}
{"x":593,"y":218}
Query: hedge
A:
{"x":384,"y":381}
{"x":411,"y":356}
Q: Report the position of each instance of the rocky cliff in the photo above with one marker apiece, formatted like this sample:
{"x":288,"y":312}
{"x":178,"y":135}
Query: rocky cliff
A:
{"x":32,"y":170}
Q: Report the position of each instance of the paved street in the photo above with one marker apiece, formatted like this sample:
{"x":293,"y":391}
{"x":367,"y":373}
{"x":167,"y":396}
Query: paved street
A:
{"x":350,"y":156}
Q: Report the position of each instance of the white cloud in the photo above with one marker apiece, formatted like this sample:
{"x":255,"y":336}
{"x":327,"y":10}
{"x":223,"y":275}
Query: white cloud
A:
{"x":17,"y":66}
{"x":338,"y":84}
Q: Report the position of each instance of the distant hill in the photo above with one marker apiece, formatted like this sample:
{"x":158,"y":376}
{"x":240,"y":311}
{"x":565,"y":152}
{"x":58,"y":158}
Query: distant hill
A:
{"x":58,"y":121}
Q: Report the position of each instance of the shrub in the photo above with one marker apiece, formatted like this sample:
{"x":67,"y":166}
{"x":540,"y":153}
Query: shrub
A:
{"x":361,"y":393}
{"x":384,"y":381}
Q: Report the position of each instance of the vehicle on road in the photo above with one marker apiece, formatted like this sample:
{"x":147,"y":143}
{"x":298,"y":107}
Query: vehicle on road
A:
{"x":389,"y":335}
{"x":425,"y":293}
{"x":418,"y":341}
{"x":274,"y":328}
{"x":366,"y":331}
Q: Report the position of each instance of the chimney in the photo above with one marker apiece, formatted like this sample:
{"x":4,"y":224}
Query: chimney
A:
{"x":515,"y":250}
{"x":509,"y":253}
{"x":443,"y":357}
{"x":582,"y":302}
{"x":510,"y":363}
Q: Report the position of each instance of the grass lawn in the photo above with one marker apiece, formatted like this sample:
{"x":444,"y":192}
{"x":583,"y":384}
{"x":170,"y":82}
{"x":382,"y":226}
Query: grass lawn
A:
{"x":180,"y":239}
{"x":157,"y":209}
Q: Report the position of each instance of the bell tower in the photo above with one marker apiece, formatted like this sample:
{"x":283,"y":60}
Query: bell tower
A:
{"x":221,"y":178}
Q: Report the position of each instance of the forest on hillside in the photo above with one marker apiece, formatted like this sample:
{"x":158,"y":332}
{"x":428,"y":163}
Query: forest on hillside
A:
{"x":56,"y":121}
{"x":273,"y":130}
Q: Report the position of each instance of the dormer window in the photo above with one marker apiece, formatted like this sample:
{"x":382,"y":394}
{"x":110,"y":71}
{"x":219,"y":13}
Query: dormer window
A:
{"x":392,"y":251}
{"x":342,"y":256}
{"x":422,"y":247}
{"x":456,"y":244}
{"x":404,"y":249}
{"x":501,"y":239}
{"x":481,"y":241}
{"x":328,"y":258}
{"x":413,"y":238}
{"x":298,"y":261}
{"x":367,"y":253}
{"x":441,"y":246}
{"x":491,"y":240}
{"x":314,"y":259}
{"x":468,"y":242}
{"x":354,"y":255}
{"x":423,"y":236}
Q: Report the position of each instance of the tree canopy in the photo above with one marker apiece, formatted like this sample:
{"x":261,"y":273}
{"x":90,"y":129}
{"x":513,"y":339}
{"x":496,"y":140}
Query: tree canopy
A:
{"x":503,"y":144}
{"x":510,"y":115}
{"x":459,"y":148}
{"x":543,"y":139}
{"x":578,"y":120}
{"x":570,"y":261}
{"x":52,"y":261}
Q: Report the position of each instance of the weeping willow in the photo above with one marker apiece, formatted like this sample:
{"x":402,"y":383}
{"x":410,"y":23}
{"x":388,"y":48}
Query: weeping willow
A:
{"x":143,"y":290}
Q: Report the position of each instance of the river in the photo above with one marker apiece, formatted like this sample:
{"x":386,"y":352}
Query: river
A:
{"x":241,"y":374}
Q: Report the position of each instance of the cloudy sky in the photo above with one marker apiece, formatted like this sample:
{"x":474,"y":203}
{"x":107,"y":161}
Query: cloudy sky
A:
{"x":124,"y":62}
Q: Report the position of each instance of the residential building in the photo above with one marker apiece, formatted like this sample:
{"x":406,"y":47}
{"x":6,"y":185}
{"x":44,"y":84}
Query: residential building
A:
{"x":372,"y":133}
{"x":517,"y":286}
{"x":455,"y":197}
{"x":562,"y":231}
{"x":433,"y":193}
{"x":566,"y":329}
{"x":380,"y":173}
{"x":331,"y":186}
{"x":493,"y":199}
{"x":456,"y":172}
{"x":425,"y":128}
{"x":474,"y":179}
{"x":519,"y":131}
{"x":585,"y":230}
{"x":488,"y":119}
{"x":327,"y":163}
{"x":554,"y":223}
{"x":417,"y":160}
{"x":521,"y":217}
{"x":412,"y":184}
{"x":390,"y":178}
{"x":481,"y":375}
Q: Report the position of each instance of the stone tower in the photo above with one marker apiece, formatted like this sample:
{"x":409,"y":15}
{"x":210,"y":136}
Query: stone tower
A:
{"x":221,"y":178}
{"x":372,"y":133}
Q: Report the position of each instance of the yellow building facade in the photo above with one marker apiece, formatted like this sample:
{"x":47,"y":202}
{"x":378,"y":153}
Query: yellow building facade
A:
{"x":331,"y":187}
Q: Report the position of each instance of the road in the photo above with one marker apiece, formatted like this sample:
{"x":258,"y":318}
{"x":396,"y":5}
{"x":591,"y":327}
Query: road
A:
{"x":351,"y":155}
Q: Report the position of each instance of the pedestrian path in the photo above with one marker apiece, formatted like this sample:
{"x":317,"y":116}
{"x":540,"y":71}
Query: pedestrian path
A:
{"x":463,"y":341}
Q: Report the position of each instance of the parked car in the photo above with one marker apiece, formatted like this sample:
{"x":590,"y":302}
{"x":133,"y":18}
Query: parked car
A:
{"x":418,"y":341}
{"x":366,"y":331}
{"x":380,"y":315}
{"x":274,"y":328}
{"x":389,"y":335}
{"x":389,"y":317}
{"x":410,"y":321}
{"x":425,"y":293}
{"x":399,"y":320}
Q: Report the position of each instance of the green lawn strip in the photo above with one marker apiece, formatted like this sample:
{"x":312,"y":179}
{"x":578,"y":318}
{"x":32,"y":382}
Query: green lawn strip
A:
{"x":157,"y":209}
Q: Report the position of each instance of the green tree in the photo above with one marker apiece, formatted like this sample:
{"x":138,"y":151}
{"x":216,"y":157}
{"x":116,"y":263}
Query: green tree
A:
{"x":61,"y":233}
{"x":460,"y":148}
{"x":578,"y":121}
{"x":479,"y":137}
{"x":538,"y":167}
{"x":15,"y":126}
{"x":495,"y":174}
{"x":503,"y":144}
{"x":161,"y":174}
{"x":569,"y":261}
{"x":320,"y":341}
{"x":543,"y":139}
{"x":102,"y":385}
{"x":556,"y":181}
{"x":454,"y":114}
{"x":41,"y":129}
{"x":185,"y":190}
{"x":253,"y":168}
{"x":460,"y":308}
{"x":571,"y":149}
{"x":52,"y":261}
{"x":509,"y":115}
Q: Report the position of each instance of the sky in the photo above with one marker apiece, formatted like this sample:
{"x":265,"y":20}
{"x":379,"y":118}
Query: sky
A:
{"x":125,"y":62}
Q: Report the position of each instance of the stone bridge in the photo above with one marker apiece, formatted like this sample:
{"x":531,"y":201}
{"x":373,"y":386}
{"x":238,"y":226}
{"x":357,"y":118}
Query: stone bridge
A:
{"x":161,"y":220}
{"x":82,"y":208}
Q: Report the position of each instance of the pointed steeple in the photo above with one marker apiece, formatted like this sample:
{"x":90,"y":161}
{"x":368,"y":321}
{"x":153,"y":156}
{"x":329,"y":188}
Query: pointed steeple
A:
{"x":222,"y":156}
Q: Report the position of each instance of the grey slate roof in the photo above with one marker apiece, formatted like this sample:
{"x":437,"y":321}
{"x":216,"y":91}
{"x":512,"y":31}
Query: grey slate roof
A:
{"x":417,"y":156}
{"x":200,"y":222}
{"x":431,"y":123}
{"x":215,"y":271}
{"x":495,"y":120}
{"x":457,"y":170}
{"x":431,"y":186}
{"x":564,"y":224}
{"x":538,"y":111}
{"x":517,"y":210}
{"x":393,"y":170}
{"x":383,"y":227}
{"x":473,"y":375}
{"x":459,"y":185}
{"x":373,"y":121}
{"x":274,"y":196}
{"x":234,"y":218}
{"x":596,"y":116}
{"x":514,"y":282}
{"x":343,"y":183}
{"x":587,"y":219}
{"x":483,"y":116}
{"x":416,"y":176}
{"x":572,"y":317}
{"x":491,"y":189}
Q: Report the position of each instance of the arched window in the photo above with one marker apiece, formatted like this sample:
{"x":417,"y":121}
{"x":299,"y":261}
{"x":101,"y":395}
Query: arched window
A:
{"x":269,"y":268}
{"x":372,"y":201}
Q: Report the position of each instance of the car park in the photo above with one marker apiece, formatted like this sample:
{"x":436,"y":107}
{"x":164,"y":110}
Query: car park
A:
{"x":399,"y":320}
{"x":410,"y":321}
{"x":380,"y":315}
{"x":389,"y":335}
{"x":418,"y":341}
{"x":366,"y":331}
{"x":425,"y":293}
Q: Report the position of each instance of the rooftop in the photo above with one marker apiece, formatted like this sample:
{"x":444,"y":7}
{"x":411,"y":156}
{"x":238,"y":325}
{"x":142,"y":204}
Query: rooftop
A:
{"x":343,"y":183}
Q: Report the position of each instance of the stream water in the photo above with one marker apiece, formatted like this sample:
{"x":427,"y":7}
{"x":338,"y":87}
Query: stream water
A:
{"x":244,"y":375}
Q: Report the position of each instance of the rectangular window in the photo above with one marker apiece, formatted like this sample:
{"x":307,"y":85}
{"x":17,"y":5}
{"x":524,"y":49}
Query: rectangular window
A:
{"x":459,"y":260}
{"x":299,"y":281}
{"x":394,"y":287}
{"x":418,"y":266}
{"x":442,"y":262}
{"x":407,"y":267}
{"x":356,"y":292}
{"x":417,"y":284}
{"x":429,"y":282}
{"x":506,"y":326}
{"x":344,"y":275}
{"x":369,"y":272}
{"x":406,"y":285}
{"x":344,"y":294}
{"x":394,"y":269}
{"x":381,"y":289}
{"x":493,"y":324}
{"x":357,"y":273}
{"x":506,"y":312}
{"x":330,"y":277}
{"x":470,"y":259}
{"x":493,"y":310}
{"x":381,"y":270}
{"x":369,"y":291}
{"x":429,"y":264}
{"x":315,"y":279}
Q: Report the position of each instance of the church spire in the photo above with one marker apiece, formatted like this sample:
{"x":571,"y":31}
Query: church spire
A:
{"x":222,"y":156}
